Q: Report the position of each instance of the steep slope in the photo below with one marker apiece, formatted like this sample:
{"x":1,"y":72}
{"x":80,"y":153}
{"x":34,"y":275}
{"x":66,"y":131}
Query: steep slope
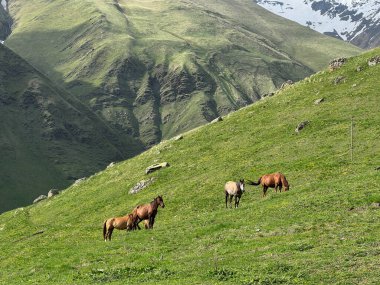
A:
{"x":47,"y":137}
{"x":5,"y":21}
{"x":355,"y":21}
{"x":323,"y":231}
{"x":154,"y":68}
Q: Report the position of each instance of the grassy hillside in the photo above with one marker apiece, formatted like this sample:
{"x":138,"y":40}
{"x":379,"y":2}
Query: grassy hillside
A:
{"x":154,"y":68}
{"x":47,"y":137}
{"x":323,"y":231}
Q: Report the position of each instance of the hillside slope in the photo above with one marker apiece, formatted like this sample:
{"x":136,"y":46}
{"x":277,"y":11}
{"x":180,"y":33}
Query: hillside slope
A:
{"x":156,"y":68}
{"x":47,"y":137}
{"x":285,"y":238}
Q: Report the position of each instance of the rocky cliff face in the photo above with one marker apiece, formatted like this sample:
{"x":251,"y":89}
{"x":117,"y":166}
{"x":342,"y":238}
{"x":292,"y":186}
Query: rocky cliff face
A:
{"x":355,"y":21}
{"x":5,"y":21}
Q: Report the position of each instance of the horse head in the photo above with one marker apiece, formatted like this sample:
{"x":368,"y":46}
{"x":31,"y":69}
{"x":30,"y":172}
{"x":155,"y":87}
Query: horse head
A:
{"x":241,"y":185}
{"x":160,"y":201}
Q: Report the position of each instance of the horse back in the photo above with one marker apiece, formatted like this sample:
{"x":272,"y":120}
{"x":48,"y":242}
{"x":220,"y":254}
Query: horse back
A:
{"x":231,"y":188}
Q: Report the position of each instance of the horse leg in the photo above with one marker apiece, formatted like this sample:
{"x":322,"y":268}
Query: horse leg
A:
{"x":226,"y":199}
{"x":231,"y":201}
{"x":280,"y":186}
{"x":151,"y":222}
{"x":237,"y":201}
{"x":110,"y":233}
{"x":265,"y":188}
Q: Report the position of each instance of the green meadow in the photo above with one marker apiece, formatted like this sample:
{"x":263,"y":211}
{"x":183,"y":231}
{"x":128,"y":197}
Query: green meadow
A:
{"x":325,"y":230}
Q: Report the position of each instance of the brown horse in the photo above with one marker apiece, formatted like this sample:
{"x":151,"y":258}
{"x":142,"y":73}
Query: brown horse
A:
{"x":120,"y":223}
{"x":234,"y":189}
{"x":147,"y":212}
{"x":274,"y":180}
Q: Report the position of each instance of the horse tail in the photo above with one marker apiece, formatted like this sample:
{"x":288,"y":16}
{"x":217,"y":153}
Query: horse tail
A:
{"x":254,"y":183}
{"x":104,"y":229}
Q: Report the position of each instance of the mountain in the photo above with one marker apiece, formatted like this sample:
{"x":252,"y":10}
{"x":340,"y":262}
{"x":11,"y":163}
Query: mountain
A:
{"x":154,"y":69}
{"x":323,"y":231}
{"x":355,"y":21}
{"x":5,"y":21}
{"x":48,"y":138}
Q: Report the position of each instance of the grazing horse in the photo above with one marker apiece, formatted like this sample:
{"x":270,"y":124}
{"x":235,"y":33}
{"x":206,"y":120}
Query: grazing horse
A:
{"x":274,"y":180}
{"x":234,"y":189}
{"x":120,"y":223}
{"x":147,"y":212}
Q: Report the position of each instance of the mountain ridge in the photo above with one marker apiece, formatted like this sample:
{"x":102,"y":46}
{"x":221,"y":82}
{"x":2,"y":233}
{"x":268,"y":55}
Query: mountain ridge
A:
{"x":357,"y":22}
{"x":145,"y":66}
{"x":48,"y":138}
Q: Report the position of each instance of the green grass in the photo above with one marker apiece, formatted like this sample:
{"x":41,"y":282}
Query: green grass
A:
{"x":323,"y":231}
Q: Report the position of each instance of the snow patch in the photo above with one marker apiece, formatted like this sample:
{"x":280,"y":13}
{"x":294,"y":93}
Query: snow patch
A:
{"x":343,"y":16}
{"x":4,"y":4}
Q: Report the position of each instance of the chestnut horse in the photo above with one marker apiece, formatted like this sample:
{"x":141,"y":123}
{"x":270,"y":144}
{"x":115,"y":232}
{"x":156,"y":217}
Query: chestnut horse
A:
{"x":274,"y":180}
{"x":120,"y":223}
{"x":147,"y":212}
{"x":234,"y":189}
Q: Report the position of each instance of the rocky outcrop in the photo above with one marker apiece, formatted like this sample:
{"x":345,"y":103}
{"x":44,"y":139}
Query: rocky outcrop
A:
{"x":337,"y":63}
{"x":156,"y":167}
{"x":53,"y":192}
{"x":40,"y":198}
{"x":141,"y":185}
{"x":374,"y":60}
{"x":301,"y":126}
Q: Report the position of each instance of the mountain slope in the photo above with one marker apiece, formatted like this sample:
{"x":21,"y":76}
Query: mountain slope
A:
{"x":47,"y":137}
{"x":154,"y":68}
{"x":285,"y":238}
{"x":355,"y":21}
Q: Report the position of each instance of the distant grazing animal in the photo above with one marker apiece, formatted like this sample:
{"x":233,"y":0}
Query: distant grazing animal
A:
{"x":147,"y":212}
{"x":274,"y":180}
{"x":120,"y":223}
{"x":234,"y":189}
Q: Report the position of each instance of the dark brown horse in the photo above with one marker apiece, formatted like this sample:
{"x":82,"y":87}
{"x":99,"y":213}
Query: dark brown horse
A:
{"x":120,"y":223}
{"x":147,"y":212}
{"x":274,"y":180}
{"x":234,"y":189}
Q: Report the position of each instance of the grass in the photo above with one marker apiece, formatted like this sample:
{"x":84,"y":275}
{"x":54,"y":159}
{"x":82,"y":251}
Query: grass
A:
{"x":323,"y":231}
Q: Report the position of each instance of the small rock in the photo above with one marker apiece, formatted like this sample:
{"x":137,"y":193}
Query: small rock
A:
{"x":112,"y":164}
{"x":301,"y":126}
{"x":53,"y":192}
{"x":177,"y":138}
{"x":156,"y":166}
{"x":337,"y":63}
{"x":270,"y":94}
{"x":339,"y":79}
{"x":375,"y":205}
{"x":78,"y":181}
{"x":359,"y":68}
{"x":286,"y":84}
{"x":354,"y":85}
{"x":319,"y":101}
{"x":39,"y":198}
{"x":141,"y":185}
{"x":374,"y":60}
{"x":218,"y":119}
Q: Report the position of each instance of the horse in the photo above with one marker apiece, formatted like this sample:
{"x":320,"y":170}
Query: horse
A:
{"x":120,"y":223}
{"x":147,"y":212}
{"x":234,"y":189}
{"x":273,"y":180}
